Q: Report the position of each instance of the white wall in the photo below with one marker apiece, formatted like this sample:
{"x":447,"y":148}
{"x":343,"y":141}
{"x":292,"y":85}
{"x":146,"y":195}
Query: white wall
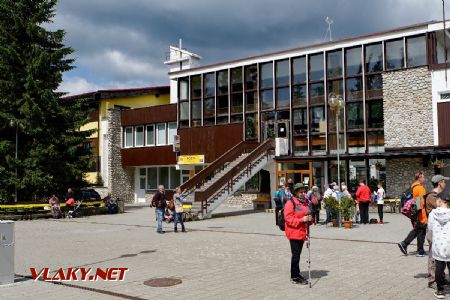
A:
{"x":439,"y":86}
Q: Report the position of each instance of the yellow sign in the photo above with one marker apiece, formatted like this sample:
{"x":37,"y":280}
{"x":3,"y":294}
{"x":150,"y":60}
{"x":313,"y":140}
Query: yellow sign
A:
{"x":191,"y":159}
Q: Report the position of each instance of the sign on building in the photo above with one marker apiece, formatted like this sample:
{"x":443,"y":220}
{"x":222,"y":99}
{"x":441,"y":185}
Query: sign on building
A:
{"x":191,"y":159}
{"x":176,"y":143}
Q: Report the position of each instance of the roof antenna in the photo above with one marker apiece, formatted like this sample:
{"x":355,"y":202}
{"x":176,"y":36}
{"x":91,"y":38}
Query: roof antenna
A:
{"x":329,"y":22}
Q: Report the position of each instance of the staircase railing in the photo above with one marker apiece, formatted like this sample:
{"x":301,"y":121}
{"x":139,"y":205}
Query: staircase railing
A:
{"x":218,"y":165}
{"x":227,"y":180}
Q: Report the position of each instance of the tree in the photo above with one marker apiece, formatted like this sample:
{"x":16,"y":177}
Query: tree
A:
{"x":32,"y":61}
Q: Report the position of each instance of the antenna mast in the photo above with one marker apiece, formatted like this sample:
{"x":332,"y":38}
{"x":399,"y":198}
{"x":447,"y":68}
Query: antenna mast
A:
{"x":329,"y":22}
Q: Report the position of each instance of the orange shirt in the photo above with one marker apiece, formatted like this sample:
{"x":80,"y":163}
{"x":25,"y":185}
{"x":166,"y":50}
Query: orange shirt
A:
{"x":419,"y":190}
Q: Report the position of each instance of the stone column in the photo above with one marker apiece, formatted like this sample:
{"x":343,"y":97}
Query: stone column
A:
{"x":120,"y":180}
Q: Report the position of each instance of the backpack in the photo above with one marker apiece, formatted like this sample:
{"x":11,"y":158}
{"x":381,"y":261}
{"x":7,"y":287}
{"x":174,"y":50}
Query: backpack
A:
{"x":281,"y":220}
{"x":405,"y":196}
{"x":277,"y":199}
{"x":411,"y":210}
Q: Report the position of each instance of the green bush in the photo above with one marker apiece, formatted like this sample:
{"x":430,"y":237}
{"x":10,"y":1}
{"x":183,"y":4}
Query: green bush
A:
{"x":347,"y":208}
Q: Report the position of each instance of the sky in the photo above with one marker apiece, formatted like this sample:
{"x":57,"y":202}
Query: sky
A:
{"x":123,"y":43}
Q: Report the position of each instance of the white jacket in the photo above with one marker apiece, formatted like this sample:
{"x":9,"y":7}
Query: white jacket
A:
{"x":439,"y":226}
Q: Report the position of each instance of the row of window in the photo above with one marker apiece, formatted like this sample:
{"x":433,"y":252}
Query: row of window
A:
{"x":149,"y":135}
{"x":302,"y":81}
{"x":169,"y":177}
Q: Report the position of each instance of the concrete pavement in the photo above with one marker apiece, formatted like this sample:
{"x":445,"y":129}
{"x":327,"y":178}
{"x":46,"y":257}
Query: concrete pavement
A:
{"x":238,"y":257}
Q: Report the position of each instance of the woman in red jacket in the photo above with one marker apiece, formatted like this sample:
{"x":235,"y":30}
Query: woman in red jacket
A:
{"x":363,"y":199}
{"x":298,"y":218}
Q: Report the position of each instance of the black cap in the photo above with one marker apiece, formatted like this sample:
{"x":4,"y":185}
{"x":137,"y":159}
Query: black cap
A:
{"x":444,"y":196}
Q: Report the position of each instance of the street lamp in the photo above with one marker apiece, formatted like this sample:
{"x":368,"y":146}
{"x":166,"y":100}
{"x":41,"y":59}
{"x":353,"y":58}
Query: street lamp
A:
{"x":336,"y":104}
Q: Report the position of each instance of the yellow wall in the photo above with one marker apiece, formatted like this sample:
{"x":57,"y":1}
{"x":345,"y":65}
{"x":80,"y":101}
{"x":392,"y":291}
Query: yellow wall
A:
{"x":89,"y":126}
{"x":90,"y":177}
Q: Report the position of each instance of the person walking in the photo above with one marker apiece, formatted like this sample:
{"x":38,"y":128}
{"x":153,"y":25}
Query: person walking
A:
{"x":363,"y":200}
{"x":439,"y":227}
{"x":160,"y":203}
{"x":298,"y":219}
{"x":419,"y":226}
{"x":380,"y":201}
{"x":178,"y":202}
{"x":278,"y":198}
{"x":315,"y":200}
{"x":439,"y":184}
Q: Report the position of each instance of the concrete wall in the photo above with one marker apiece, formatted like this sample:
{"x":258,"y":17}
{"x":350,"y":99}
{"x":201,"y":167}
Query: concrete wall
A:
{"x":400,"y":174}
{"x":407,"y":105}
{"x":120,"y":180}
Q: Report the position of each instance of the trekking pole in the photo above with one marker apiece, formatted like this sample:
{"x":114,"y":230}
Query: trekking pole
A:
{"x":308,"y":245}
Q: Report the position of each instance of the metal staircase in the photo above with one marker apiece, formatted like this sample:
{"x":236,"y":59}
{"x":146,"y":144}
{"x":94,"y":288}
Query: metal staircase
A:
{"x":222,"y":178}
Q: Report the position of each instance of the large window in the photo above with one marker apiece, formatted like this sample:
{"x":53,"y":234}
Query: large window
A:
{"x":394,"y":54}
{"x":251,"y":98}
{"x":196,"y":97}
{"x":150,"y":135}
{"x":282,"y":83}
{"x":355,"y":116}
{"x":236,"y":92}
{"x":316,"y":67}
{"x":222,"y":94}
{"x":375,"y":114}
{"x":161,"y":134}
{"x":374,"y":58}
{"x":374,"y":85}
{"x":318,"y":119}
{"x":353,"y":62}
{"x":209,"y":101}
{"x":172,"y":132}
{"x":128,"y":138}
{"x":155,"y":176}
{"x":300,"y":121}
{"x":299,"y":91}
{"x":354,"y":89}
{"x":317,"y":93}
{"x":139,"y":136}
{"x":334,"y":64}
{"x":416,"y":51}
{"x":266,"y":86}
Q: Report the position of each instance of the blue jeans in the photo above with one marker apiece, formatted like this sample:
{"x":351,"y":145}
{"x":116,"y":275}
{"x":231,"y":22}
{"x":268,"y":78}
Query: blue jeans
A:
{"x":178,"y":219}
{"x":159,"y":217}
{"x":328,"y":220}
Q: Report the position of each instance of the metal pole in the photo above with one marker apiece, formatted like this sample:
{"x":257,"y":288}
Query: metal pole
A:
{"x":338,"y":161}
{"x":17,"y":147}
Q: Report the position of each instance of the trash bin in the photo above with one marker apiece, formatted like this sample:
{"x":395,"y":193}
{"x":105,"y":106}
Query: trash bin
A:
{"x":120,"y":205}
{"x":6,"y":252}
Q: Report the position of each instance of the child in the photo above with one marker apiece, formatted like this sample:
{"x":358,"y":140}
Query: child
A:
{"x":439,"y":227}
{"x":380,"y":202}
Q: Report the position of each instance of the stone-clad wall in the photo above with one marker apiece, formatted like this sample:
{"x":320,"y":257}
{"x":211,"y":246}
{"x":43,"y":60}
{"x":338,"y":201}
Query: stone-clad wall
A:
{"x":400,"y":174}
{"x":407,"y":105}
{"x":241,"y":200}
{"x":120,"y":180}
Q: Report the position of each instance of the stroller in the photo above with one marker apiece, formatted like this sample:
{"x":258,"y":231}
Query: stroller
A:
{"x":75,"y":211}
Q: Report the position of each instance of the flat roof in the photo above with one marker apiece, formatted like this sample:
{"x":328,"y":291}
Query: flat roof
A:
{"x":116,"y":93}
{"x":308,"y":47}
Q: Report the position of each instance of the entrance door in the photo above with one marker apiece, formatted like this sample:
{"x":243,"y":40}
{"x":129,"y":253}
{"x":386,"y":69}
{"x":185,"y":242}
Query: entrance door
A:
{"x":298,"y":171}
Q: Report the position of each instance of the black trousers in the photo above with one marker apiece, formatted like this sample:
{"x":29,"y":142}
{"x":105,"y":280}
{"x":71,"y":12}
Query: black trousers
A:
{"x":296,"y":250}
{"x":316,"y":216}
{"x":380,"y":212}
{"x":364,"y":212}
{"x":440,"y":273}
{"x":277,"y":210}
{"x":419,"y":231}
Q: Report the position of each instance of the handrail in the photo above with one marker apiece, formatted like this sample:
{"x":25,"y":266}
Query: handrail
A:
{"x":227,"y":178}
{"x":218,"y":164}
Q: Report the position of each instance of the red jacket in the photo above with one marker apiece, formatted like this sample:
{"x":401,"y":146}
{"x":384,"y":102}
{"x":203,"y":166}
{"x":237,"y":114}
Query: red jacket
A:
{"x":363,"y":194}
{"x":295,"y":228}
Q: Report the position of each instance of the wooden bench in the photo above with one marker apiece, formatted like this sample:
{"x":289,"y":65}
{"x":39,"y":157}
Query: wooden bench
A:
{"x":393,"y":204}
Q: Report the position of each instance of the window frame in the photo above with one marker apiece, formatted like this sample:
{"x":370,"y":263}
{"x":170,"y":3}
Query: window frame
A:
{"x":146,"y":136}
{"x":157,"y":134}
{"x":135,"y":136}
{"x":125,"y":137}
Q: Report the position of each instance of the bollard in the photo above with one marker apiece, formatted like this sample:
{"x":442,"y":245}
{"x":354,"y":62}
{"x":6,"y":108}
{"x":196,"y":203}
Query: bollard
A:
{"x":6,"y":252}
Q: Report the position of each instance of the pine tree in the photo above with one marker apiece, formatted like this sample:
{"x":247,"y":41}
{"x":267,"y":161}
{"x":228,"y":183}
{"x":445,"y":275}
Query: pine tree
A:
{"x":32,"y":61}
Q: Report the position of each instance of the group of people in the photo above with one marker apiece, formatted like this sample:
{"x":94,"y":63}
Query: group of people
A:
{"x":55,"y":206}
{"x":173,"y":208}
{"x":433,"y":223}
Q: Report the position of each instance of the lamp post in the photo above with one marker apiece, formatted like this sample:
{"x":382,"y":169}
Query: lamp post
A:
{"x":336,"y":104}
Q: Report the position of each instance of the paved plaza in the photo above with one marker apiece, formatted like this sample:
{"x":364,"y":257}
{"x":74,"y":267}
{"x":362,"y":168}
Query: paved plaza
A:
{"x":237,"y":257}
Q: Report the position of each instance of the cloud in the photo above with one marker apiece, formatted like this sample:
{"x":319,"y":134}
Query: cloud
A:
{"x":124,"y":43}
{"x":77,"y":85}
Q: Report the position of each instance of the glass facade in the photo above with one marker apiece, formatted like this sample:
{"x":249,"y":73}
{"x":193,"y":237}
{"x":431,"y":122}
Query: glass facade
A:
{"x":296,"y":88}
